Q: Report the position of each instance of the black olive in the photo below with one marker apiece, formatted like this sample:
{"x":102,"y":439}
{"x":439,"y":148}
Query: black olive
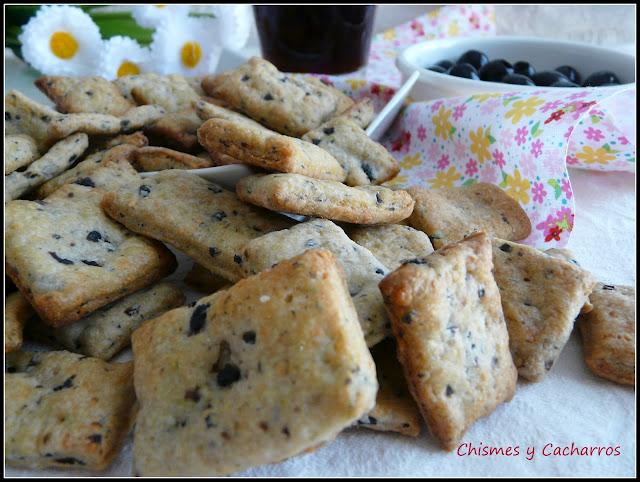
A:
{"x":473,"y":57}
{"x":496,"y":70}
{"x":601,"y":78}
{"x":548,"y":77}
{"x":570,"y":73}
{"x":564,"y":83}
{"x":524,"y":68}
{"x":517,"y":79}
{"x":466,"y":71}
{"x":438,"y":69}
{"x":445,"y":64}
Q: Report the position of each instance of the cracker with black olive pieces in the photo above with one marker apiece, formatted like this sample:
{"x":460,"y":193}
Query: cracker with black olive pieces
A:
{"x":68,"y":258}
{"x":289,"y":104}
{"x":83,"y":172}
{"x":541,"y":297}
{"x":197,"y":217}
{"x":172,"y":92}
{"x":255,"y":145}
{"x":608,"y":333}
{"x":365,"y":160}
{"x":19,"y":151}
{"x":17,"y":312}
{"x":64,"y":410}
{"x":567,"y":255}
{"x":84,"y":94}
{"x":273,"y":366}
{"x":451,"y":335}
{"x":395,"y":409}
{"x":46,"y":126}
{"x":362,"y":269}
{"x":201,"y":279}
{"x":362,"y":113}
{"x":176,"y":130}
{"x":392,"y":244}
{"x":137,"y":139}
{"x":297,"y":194}
{"x":153,"y":158}
{"x":58,"y":159}
{"x":105,"y":332}
{"x":448,"y":215}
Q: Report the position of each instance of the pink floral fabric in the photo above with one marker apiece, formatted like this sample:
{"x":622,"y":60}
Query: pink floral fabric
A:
{"x":522,"y":142}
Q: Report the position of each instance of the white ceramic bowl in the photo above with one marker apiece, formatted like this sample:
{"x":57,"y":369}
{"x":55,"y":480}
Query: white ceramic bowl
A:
{"x":542,"y":54}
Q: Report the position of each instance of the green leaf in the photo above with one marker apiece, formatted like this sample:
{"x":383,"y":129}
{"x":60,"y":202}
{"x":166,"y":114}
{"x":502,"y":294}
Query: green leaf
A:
{"x":453,"y":131}
{"x":556,"y":187}
{"x":469,"y":182}
{"x":121,"y":23}
{"x":538,"y":133}
{"x":491,"y":140}
{"x":595,"y":119}
{"x":504,"y":180}
{"x":535,"y":128}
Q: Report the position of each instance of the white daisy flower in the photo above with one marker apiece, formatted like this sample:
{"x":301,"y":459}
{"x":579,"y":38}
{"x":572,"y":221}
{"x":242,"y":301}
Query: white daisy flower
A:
{"x":61,"y":40}
{"x":151,"y":16}
{"x":123,"y":56}
{"x":232,"y":22}
{"x":187,"y":46}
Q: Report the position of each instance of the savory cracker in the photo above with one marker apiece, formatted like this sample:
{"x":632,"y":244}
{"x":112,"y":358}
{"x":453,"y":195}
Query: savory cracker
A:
{"x":46,"y":126}
{"x":82,"y":172}
{"x":208,"y":110}
{"x":362,"y":269}
{"x":258,"y":146}
{"x":69,"y":259}
{"x":58,"y":159}
{"x":201,"y":279}
{"x":608,"y":333}
{"x":365,"y":160}
{"x":105,"y":332}
{"x":255,"y":374}
{"x":172,"y":92}
{"x":17,"y":312}
{"x":567,"y":255}
{"x":206,"y":222}
{"x":541,"y":297}
{"x":448,"y":215}
{"x":160,"y":158}
{"x":64,"y":410}
{"x":176,"y":130}
{"x":19,"y":151}
{"x":395,"y":410}
{"x":452,"y":337}
{"x":289,"y":104}
{"x":84,"y":94}
{"x":293,"y":193}
{"x":362,"y":113}
{"x":393,"y":244}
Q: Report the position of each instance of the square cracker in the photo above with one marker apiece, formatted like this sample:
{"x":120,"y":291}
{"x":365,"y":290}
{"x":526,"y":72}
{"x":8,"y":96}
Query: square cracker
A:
{"x":608,"y":333}
{"x":365,"y":160}
{"x":17,"y":312}
{"x":68,"y":258}
{"x":452,"y":337}
{"x":395,"y":410}
{"x":448,"y":215}
{"x":57,"y":160}
{"x":258,"y":146}
{"x":567,"y":255}
{"x":293,"y":193}
{"x":84,"y":94}
{"x":362,"y":113}
{"x":105,"y":332}
{"x":204,"y":221}
{"x":19,"y":151}
{"x":46,"y":126}
{"x":541,"y":297}
{"x":176,"y":130}
{"x":172,"y":92}
{"x":362,"y":269}
{"x":255,"y":374}
{"x":290,"y":104}
{"x":151,"y":158}
{"x":64,"y":410}
{"x":392,"y":244}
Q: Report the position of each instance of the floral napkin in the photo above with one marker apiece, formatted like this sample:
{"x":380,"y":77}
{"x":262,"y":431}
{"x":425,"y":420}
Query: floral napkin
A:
{"x":522,"y":142}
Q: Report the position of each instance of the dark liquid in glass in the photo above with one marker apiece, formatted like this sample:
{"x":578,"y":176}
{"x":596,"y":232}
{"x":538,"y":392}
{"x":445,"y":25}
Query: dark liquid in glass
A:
{"x":321,"y":39}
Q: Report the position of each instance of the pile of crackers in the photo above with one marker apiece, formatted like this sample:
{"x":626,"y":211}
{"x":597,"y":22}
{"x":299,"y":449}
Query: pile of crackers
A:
{"x":348,"y":317}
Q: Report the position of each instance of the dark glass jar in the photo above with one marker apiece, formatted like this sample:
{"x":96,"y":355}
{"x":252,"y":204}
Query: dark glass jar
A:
{"x":329,"y":39}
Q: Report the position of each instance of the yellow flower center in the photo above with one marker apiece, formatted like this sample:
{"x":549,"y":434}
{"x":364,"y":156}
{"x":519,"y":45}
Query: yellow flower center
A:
{"x":63,"y":45}
{"x":160,"y":6}
{"x":191,"y":53}
{"x":128,"y":68}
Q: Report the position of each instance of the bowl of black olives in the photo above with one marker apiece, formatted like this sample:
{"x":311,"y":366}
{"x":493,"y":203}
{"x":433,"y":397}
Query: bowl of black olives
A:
{"x":464,"y":66}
